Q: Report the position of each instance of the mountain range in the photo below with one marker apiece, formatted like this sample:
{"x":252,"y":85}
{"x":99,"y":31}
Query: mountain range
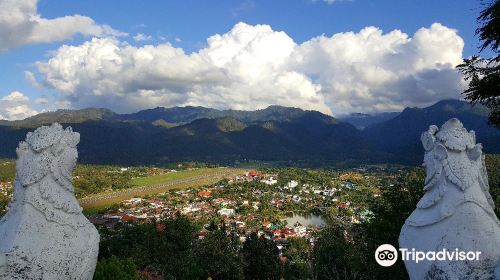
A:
{"x":283,"y":134}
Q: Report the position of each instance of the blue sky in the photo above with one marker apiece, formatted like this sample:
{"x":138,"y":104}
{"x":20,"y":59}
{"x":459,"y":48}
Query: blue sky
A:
{"x":187,"y":24}
{"x":194,"y":21}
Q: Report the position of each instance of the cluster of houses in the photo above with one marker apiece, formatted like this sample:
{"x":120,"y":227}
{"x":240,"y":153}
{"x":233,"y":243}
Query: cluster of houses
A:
{"x":5,"y":188}
{"x":241,"y":214}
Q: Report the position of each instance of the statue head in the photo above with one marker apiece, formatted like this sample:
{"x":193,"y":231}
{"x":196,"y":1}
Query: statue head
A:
{"x":451,"y":153}
{"x":47,"y":150}
{"x":453,"y":148}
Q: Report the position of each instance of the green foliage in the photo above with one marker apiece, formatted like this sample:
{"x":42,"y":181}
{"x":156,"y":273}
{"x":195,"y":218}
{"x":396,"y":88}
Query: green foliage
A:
{"x":489,"y":31}
{"x":483,"y":74}
{"x":164,"y":124}
{"x":298,"y":261}
{"x":493,"y":168}
{"x":7,"y":174}
{"x":4,"y":202}
{"x":218,"y":256}
{"x":342,"y":250}
{"x":7,"y":170}
{"x":169,"y":252}
{"x":89,"y":179}
{"x":335,"y":256}
{"x":230,"y":124}
{"x":114,"y":268}
{"x":389,"y":214}
{"x":261,"y":258}
{"x":180,"y":262}
{"x":172,"y":176}
{"x":345,"y":251}
{"x":484,"y":84}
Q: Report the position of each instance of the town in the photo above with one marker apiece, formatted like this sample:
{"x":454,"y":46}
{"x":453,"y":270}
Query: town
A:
{"x":285,"y":220}
{"x":276,"y":204}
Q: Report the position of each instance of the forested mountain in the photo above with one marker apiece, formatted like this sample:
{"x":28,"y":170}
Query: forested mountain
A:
{"x":188,"y":114}
{"x":64,"y":116}
{"x":273,"y":134}
{"x":400,"y":136}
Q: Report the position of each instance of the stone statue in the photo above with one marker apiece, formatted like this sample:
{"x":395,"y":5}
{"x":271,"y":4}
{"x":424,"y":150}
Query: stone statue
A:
{"x":456,"y":212}
{"x":44,"y":235}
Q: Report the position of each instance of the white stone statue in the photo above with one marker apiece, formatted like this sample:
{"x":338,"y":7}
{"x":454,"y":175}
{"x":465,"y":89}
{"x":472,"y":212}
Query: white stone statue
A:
{"x":44,"y":235}
{"x":456,"y":212}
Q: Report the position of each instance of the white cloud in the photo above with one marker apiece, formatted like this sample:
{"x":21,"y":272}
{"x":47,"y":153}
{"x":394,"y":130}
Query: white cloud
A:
{"x":252,"y":67}
{"x":15,"y":96}
{"x":15,"y":106}
{"x":31,"y":78}
{"x":371,"y":71}
{"x":142,"y":37}
{"x":20,"y":24}
{"x":41,"y":100}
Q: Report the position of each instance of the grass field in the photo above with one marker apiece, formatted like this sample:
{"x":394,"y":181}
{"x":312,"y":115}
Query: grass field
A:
{"x":173,"y":176}
{"x":158,"y":184}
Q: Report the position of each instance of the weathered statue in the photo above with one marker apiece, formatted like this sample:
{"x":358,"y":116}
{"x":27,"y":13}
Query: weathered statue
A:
{"x":457,"y":212}
{"x":45,"y":235}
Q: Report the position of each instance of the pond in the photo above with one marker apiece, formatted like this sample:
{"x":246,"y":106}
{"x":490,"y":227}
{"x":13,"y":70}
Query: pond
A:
{"x":307,"y":220}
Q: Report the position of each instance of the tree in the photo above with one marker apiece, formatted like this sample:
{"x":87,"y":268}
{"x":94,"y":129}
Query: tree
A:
{"x":389,"y":214}
{"x":297,"y":265}
{"x":337,"y":254}
{"x":114,"y":268}
{"x":169,"y":252}
{"x":4,"y":202}
{"x":175,"y":251}
{"x":483,"y":74}
{"x":345,"y":251}
{"x":261,"y":258}
{"x":218,"y":256}
{"x":492,"y":166}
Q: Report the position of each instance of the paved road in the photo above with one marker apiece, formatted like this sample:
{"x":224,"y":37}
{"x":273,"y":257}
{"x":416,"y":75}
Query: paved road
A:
{"x":137,"y":191}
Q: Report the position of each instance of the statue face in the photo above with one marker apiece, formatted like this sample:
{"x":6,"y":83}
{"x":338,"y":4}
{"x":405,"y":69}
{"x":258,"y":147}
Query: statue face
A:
{"x":430,"y":165}
{"x":31,"y":167}
{"x":68,"y":161}
{"x":433,"y":160}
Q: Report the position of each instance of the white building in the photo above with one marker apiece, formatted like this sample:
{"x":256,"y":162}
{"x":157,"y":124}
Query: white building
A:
{"x":292,"y":184}
{"x":301,"y":230}
{"x":134,"y":200}
{"x":226,"y":212}
{"x":270,"y":181}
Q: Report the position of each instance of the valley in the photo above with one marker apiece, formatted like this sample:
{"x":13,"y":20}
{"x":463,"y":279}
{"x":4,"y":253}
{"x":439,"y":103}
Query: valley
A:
{"x":275,"y":134}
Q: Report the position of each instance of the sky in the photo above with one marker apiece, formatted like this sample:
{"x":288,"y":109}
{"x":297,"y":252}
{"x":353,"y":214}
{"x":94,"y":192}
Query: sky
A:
{"x":334,"y":56}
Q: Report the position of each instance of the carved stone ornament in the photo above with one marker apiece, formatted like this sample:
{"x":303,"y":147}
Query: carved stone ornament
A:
{"x":45,"y":235}
{"x":456,"y":211}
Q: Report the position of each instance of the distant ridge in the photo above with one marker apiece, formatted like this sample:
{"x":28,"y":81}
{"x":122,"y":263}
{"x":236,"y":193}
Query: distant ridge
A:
{"x":400,"y":135}
{"x":361,"y":120}
{"x":63,"y":116}
{"x":188,"y":114}
{"x":276,"y":133}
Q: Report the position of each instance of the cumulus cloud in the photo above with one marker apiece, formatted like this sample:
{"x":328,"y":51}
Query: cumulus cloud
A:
{"x":15,"y":106}
{"x":20,"y":24}
{"x":253,"y":66}
{"x":371,"y":71}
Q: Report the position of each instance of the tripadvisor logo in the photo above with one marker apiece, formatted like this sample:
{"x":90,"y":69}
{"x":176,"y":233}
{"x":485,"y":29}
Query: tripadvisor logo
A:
{"x":387,"y":255}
